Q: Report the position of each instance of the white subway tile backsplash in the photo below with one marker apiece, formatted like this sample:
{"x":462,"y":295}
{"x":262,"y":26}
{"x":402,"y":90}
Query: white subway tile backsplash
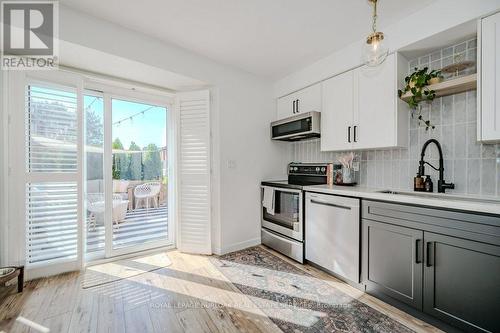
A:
{"x":435,"y":65}
{"x":460,"y":47}
{"x":436,"y":56}
{"x":387,"y":179}
{"x":404,"y":175}
{"x":414,"y":147}
{"x":435,"y":112}
{"x":447,"y":142}
{"x":447,"y":110}
{"x":488,"y":174}
{"x":363,"y":173}
{"x":396,"y":154}
{"x":472,"y":166}
{"x":459,"y":176}
{"x":473,"y":176}
{"x":371,"y":174}
{"x":403,"y":154}
{"x":473,"y":148}
{"x":395,"y":165}
{"x":460,"y":142}
{"x":379,"y":174}
{"x":387,"y":155}
{"x":471,"y":106}
{"x":447,"y":51}
{"x":459,"y":111}
{"x":447,"y":61}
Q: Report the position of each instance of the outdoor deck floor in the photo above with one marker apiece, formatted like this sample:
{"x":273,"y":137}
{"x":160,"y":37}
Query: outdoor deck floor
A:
{"x":140,"y":226}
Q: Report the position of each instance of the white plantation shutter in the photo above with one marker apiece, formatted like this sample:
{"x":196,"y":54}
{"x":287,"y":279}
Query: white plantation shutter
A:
{"x":194,"y":172}
{"x":51,"y":123}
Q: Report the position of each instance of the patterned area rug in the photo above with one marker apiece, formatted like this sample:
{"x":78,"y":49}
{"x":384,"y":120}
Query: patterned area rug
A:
{"x":297,"y":301}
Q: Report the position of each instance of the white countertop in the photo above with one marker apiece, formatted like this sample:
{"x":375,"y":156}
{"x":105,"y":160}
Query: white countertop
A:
{"x":468,"y":203}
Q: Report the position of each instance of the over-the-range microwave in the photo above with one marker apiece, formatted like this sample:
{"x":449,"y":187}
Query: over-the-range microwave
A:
{"x":295,"y":128}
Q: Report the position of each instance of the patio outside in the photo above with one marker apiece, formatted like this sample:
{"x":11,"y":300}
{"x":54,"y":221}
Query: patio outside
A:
{"x":139,"y":171}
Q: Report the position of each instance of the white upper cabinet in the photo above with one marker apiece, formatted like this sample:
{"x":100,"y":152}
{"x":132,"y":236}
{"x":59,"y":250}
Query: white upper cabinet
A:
{"x":376,"y":112}
{"x":489,"y":80}
{"x":305,"y":100}
{"x":361,"y":109}
{"x":338,"y":112}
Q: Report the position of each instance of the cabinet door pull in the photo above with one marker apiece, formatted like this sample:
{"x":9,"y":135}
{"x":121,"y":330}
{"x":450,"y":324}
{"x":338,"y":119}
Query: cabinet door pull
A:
{"x":349,"y":134}
{"x":430,"y":256}
{"x":293,"y":108}
{"x":418,"y":257}
{"x":355,"y":135}
{"x":298,"y":110}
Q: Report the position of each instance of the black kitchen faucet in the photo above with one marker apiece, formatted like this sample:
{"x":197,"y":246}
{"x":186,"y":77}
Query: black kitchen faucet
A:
{"x":442,"y":185}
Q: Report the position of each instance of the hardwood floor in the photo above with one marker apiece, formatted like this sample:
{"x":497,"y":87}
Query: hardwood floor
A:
{"x":190,"y":295}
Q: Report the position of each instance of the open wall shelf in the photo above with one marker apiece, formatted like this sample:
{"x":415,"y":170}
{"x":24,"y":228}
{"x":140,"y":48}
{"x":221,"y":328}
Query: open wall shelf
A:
{"x":451,"y":86}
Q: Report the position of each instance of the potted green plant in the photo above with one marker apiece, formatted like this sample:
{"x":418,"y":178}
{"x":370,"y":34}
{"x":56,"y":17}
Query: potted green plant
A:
{"x":417,"y":84}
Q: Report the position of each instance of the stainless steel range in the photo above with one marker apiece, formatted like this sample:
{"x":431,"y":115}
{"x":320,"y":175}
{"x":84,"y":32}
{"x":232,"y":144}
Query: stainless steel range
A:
{"x":283,"y":208}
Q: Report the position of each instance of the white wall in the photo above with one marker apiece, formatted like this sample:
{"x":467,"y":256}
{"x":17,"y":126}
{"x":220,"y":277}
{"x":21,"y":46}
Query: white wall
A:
{"x":435,"y":18}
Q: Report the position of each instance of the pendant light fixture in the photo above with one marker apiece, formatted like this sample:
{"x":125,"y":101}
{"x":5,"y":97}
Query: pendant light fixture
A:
{"x":375,"y":51}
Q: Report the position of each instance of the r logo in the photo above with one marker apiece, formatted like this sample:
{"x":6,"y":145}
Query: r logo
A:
{"x":28,"y":28}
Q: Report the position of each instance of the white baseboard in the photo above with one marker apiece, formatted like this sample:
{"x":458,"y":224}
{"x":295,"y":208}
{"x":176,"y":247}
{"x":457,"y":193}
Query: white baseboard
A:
{"x":238,"y":246}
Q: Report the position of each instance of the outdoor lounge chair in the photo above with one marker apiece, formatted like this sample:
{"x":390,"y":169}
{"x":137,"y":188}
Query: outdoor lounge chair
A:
{"x":145,"y":192}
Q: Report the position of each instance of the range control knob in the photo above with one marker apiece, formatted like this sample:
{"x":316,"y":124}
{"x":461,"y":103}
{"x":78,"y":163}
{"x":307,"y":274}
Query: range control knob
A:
{"x":317,"y":169}
{"x":323,"y":169}
{"x":295,"y":169}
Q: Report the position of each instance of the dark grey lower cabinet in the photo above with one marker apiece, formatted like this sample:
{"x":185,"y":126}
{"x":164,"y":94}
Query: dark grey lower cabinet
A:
{"x":392,"y":261}
{"x":462,"y":282}
{"x":443,"y":263}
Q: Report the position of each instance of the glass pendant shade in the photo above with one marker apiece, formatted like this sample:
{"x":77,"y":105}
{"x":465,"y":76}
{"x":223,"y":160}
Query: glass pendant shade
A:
{"x":375,"y":50}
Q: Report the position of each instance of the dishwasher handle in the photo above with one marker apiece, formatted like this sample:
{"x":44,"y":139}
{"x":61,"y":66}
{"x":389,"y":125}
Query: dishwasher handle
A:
{"x":324,"y":203}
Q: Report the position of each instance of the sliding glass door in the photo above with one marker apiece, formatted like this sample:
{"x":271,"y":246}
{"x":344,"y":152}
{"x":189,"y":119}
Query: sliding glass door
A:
{"x":127,"y":164}
{"x":89,"y":170}
{"x":94,"y":198}
{"x":139,"y":172}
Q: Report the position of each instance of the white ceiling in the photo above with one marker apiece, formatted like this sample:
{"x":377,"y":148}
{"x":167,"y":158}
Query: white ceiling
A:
{"x":269,"y":38}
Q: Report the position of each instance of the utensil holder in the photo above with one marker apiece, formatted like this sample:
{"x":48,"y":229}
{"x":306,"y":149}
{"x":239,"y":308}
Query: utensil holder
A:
{"x":348,"y":176}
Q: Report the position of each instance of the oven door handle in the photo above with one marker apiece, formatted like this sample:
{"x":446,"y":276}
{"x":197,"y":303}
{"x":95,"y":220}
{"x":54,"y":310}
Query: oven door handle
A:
{"x":324,"y":203}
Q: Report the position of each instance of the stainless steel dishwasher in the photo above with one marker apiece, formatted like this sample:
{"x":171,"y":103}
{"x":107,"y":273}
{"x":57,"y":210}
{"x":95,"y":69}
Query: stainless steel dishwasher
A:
{"x":332,"y":234}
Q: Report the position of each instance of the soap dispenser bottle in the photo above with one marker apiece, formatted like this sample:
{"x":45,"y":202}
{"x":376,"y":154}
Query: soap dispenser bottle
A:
{"x":418,"y":183}
{"x":428,"y":185}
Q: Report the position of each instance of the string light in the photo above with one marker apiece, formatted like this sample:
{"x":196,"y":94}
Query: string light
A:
{"x":134,"y":115}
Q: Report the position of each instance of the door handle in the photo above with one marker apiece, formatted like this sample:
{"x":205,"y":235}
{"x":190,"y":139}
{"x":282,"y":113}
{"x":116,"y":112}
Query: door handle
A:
{"x":298,"y":109}
{"x":430,"y":246}
{"x":418,"y":257}
{"x":293,"y":108}
{"x":355,"y":134}
{"x":349,"y":134}
{"x":329,"y":204}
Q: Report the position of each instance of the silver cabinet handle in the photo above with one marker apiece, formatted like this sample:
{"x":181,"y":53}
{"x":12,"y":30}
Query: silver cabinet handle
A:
{"x":329,"y":204}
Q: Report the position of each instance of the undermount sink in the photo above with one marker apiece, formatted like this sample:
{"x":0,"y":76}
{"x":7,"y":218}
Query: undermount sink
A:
{"x":441,"y":196}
